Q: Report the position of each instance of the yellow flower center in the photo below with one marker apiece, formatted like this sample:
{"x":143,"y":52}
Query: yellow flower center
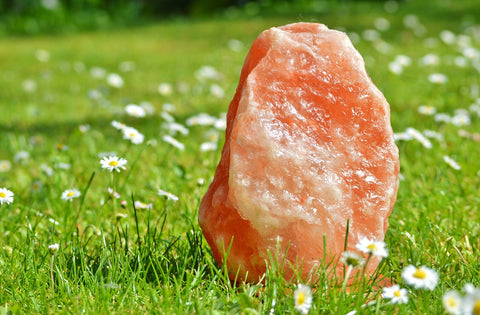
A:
{"x":113,"y":163}
{"x":419,"y":274}
{"x":451,"y":302}
{"x":2,"y":194}
{"x":397,"y":293}
{"x":372,"y":247}
{"x":70,"y":193}
{"x":476,"y":308}
{"x":301,"y":298}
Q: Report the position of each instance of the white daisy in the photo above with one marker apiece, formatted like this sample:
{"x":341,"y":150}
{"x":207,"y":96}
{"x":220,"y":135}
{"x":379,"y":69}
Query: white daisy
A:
{"x":395,"y":67}
{"x":169,"y":196}
{"x":132,"y":134}
{"x":206,"y":73}
{"x":438,"y":78}
{"x":113,"y":193}
{"x":5,"y":166}
{"x":98,"y":73}
{"x":53,"y":248}
{"x":303,"y":298}
{"x":430,"y":60}
{"x":127,"y":66}
{"x":471,"y":301}
{"x":173,"y":128}
{"x":420,"y":277}
{"x":352,"y":259}
{"x":177,"y":144}
{"x":376,"y":248}
{"x":147,"y":107}
{"x":403,"y":60}
{"x":395,"y":294}
{"x":165,"y":89}
{"x":202,"y":119}
{"x":70,"y":194}
{"x":235,"y":45}
{"x":135,"y":110}
{"x":381,"y":24}
{"x":217,"y":91}
{"x":113,"y":163}
{"x":115,"y":80}
{"x":451,"y":162}
{"x":448,"y":37}
{"x":6,"y":196}
{"x":120,"y":216}
{"x":29,"y":85}
{"x":452,"y":301}
{"x":142,"y":205}
{"x":461,"y":119}
{"x":118,"y":125}
{"x":37,"y":186}
{"x":42,"y":55}
{"x":208,"y":146}
{"x":442,"y":117}
{"x":21,"y":156}
{"x":427,"y":110}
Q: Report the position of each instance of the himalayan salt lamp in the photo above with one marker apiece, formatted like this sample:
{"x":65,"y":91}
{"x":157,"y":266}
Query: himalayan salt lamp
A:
{"x":308,"y":148}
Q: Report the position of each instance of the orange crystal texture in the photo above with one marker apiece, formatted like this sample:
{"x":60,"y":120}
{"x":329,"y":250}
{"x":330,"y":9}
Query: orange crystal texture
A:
{"x":308,"y":148}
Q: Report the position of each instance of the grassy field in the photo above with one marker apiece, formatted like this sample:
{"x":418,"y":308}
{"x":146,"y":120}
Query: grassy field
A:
{"x":60,"y":94}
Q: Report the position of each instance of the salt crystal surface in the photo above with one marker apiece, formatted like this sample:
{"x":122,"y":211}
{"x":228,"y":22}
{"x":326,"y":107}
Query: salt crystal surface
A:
{"x":308,"y":148}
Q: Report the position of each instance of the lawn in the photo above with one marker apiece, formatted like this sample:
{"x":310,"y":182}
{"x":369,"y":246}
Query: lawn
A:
{"x":129,"y":241}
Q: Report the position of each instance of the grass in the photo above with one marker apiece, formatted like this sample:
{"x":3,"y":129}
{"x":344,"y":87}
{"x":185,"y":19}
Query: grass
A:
{"x":156,"y":260}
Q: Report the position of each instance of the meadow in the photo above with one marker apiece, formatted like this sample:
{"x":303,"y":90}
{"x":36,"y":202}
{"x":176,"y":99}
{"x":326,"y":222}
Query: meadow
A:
{"x":79,"y":238}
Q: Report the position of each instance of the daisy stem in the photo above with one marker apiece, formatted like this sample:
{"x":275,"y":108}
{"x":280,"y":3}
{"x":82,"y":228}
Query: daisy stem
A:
{"x":347,"y":275}
{"x":365,"y":265}
{"x":51,"y":273}
{"x":114,"y":200}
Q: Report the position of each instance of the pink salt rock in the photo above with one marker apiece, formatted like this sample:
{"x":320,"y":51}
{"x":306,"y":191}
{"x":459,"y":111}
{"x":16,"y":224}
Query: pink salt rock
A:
{"x":309,"y":147}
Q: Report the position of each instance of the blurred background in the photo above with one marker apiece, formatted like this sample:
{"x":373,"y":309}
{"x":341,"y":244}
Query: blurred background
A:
{"x":32,"y":17}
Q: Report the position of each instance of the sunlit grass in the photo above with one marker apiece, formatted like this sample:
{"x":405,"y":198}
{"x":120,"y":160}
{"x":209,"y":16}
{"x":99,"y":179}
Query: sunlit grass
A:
{"x":115,"y":256}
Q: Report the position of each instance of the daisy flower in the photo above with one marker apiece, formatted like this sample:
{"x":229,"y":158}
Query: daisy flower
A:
{"x":438,"y":78}
{"x":5,"y":166}
{"x":461,"y":119}
{"x":395,"y":294}
{"x":208,"y":146}
{"x":169,"y":196}
{"x":427,"y":110}
{"x":115,"y":80}
{"x":21,"y":156}
{"x":420,"y":277}
{"x":135,"y":111}
{"x":132,"y":134}
{"x":177,"y":144}
{"x":471,"y":301}
{"x":70,"y":194}
{"x":376,"y":248}
{"x":6,"y":196}
{"x":165,"y":89}
{"x":112,"y":193}
{"x":303,"y":298}
{"x":352,"y":259}
{"x":118,"y":125}
{"x":53,"y":248}
{"x":120,"y":216}
{"x":452,"y":301}
{"x":451,"y":162}
{"x":36,"y":187}
{"x":98,"y":73}
{"x":113,"y":163}
{"x":142,"y":205}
